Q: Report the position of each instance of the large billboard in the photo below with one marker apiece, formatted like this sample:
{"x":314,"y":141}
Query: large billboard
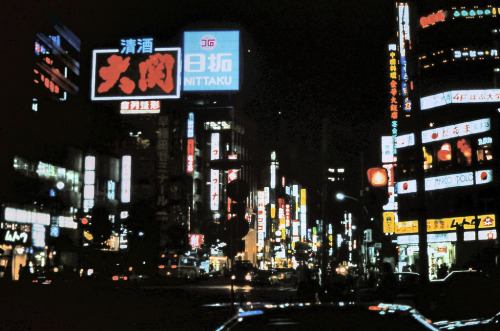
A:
{"x":144,"y":73}
{"x":211,"y":61}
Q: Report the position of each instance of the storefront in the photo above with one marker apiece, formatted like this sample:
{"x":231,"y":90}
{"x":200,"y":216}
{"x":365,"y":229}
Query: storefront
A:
{"x":441,"y":239}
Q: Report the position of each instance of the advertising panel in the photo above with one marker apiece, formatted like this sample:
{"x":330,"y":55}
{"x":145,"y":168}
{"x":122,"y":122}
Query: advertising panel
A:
{"x":140,"y":107}
{"x":447,"y":181}
{"x":136,"y":73}
{"x":459,"y":96}
{"x":447,"y":224}
{"x":211,"y":61}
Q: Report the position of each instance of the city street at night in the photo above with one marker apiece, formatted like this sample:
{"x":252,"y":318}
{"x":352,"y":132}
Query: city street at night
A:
{"x":263,"y":165}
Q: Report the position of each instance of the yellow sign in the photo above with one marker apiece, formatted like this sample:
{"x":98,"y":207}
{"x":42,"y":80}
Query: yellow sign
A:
{"x":388,"y":221}
{"x":447,"y":224}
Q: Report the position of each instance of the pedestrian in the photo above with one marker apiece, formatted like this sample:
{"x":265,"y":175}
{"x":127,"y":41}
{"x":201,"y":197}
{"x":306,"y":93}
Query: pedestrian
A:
{"x":308,"y":287}
{"x":388,"y":283}
{"x":336,"y":285}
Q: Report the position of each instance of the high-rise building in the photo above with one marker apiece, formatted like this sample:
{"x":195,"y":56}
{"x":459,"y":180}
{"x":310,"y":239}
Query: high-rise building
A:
{"x":444,"y":65}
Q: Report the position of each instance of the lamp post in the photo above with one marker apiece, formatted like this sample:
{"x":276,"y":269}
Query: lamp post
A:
{"x":341,"y":196}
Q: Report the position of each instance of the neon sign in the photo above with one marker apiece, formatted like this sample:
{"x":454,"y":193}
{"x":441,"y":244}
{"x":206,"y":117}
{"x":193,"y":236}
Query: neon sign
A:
{"x":434,"y":18}
{"x":134,"y":75}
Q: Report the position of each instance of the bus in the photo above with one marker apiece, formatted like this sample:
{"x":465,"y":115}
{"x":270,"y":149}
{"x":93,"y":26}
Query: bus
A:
{"x":180,"y":266}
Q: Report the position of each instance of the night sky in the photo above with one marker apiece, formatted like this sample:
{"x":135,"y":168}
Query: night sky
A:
{"x":309,"y":60}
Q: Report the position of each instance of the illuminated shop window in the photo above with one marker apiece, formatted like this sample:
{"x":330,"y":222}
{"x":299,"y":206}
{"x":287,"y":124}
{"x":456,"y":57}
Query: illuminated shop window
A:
{"x":428,"y":157}
{"x":484,"y":150}
{"x":464,"y":152}
{"x":444,"y":156}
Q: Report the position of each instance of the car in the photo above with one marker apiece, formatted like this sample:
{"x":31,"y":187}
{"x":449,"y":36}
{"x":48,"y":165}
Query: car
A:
{"x":242,"y":271}
{"x":265,"y":277}
{"x":406,"y":291}
{"x":470,"y":324}
{"x":327,"y":316}
{"x":287,"y":276}
{"x":462,"y":295}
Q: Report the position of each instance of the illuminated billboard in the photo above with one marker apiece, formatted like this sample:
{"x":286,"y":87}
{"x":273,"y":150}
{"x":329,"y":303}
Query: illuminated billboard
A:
{"x":134,"y":75}
{"x":211,"y":61}
{"x":447,"y":181}
{"x":446,"y":132}
{"x":459,"y":96}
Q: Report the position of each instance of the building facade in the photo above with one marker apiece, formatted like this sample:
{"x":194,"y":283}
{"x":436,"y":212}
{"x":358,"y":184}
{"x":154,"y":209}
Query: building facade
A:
{"x":444,"y":104}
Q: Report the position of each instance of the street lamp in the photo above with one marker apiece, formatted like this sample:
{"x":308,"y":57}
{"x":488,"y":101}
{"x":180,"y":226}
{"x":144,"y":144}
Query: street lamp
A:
{"x":341,"y":196}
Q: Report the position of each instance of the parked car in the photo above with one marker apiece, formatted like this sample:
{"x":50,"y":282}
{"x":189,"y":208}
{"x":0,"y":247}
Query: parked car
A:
{"x":327,"y":316}
{"x":265,"y":277}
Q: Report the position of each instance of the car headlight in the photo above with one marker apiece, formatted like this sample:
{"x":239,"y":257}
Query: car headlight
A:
{"x":248,"y":277}
{"x":233,"y":277}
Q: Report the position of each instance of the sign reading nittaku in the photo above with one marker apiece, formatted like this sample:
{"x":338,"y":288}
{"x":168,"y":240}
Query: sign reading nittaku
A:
{"x":129,"y":75}
{"x":211,"y":61}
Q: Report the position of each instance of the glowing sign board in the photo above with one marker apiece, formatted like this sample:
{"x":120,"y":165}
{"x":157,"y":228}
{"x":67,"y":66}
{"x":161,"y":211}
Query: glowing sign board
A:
{"x":190,"y":127}
{"x":190,"y":156}
{"x":446,"y":132}
{"x":211,"y":61}
{"x":447,"y":224}
{"x":140,"y":107}
{"x":459,"y":96}
{"x":261,"y":218}
{"x":126,"y":178}
{"x":136,"y":76}
{"x":214,"y":189}
{"x":404,"y":36}
{"x":195,"y":240}
{"x":432,"y":19}
{"x":447,"y":181}
{"x":456,"y":130}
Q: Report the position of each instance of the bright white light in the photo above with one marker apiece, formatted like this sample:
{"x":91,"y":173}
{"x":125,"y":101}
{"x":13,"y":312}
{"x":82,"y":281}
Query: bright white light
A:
{"x":340,"y":196}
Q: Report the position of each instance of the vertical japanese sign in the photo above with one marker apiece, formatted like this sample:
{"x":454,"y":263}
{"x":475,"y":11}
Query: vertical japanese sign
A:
{"x":404,"y":36}
{"x":281,"y":217}
{"x":89,"y":183}
{"x":126,"y":178}
{"x":393,"y":93}
{"x":136,"y":71}
{"x":303,"y":214}
{"x":261,"y":219}
{"x":190,"y":143}
{"x":214,"y":174}
{"x":211,"y":61}
{"x":161,"y":167}
{"x":232,"y":174}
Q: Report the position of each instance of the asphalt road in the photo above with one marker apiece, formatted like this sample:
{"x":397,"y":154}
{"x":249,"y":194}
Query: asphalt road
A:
{"x":74,"y":306}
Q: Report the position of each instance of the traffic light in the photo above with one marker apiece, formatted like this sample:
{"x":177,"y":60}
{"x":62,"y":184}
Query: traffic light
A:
{"x":376,"y":195}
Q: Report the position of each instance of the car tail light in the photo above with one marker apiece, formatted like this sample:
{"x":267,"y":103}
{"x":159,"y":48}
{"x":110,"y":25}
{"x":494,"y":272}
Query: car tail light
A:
{"x":125,"y":278}
{"x":115,"y":278}
{"x":174,"y":266}
{"x":161,"y":266}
